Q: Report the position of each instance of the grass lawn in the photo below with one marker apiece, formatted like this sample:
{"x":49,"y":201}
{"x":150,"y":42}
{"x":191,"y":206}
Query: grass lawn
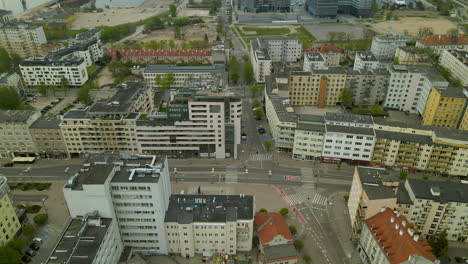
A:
{"x":91,"y":69}
{"x":304,"y":36}
{"x":266,"y":31}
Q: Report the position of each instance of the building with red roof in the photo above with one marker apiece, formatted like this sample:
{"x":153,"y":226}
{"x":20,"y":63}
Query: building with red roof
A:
{"x":388,"y":238}
{"x":331,"y":54}
{"x":166,"y":56}
{"x":443,"y":42}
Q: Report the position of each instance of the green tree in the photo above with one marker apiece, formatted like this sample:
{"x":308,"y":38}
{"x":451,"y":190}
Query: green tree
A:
{"x":293,"y":229}
{"x":283,"y":211}
{"x":83,"y":94}
{"x":64,"y":84}
{"x":154,"y":23}
{"x":299,"y":245}
{"x":248,"y":72}
{"x":5,"y":61}
{"x":307,"y":259}
{"x":420,"y":5}
{"x":172,"y":44}
{"x":40,"y":219}
{"x":42,"y":89}
{"x":376,"y":110}
{"x":439,"y":244}
{"x":403,"y":175}
{"x":263,"y":210}
{"x":177,"y":33}
{"x":245,"y":58}
{"x":267,"y":145}
{"x":165,"y":82}
{"x":256,"y":90}
{"x":346,"y":97}
{"x":17,"y":244}
{"x":256,"y":103}
{"x":9,"y":98}
{"x":338,"y":165}
{"x":346,"y":197}
{"x":234,"y":69}
{"x":28,"y":230}
{"x":258,"y":112}
{"x":173,"y":10}
{"x":9,"y":255}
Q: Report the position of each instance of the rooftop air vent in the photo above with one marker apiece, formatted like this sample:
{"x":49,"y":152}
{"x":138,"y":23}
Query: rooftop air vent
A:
{"x":435,"y":191}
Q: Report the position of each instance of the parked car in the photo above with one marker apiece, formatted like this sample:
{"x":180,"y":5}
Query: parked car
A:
{"x":38,"y":240}
{"x":244,"y":136}
{"x":9,"y":164}
{"x":35,"y":246}
{"x":258,"y":118}
{"x":26,"y":259}
{"x":261,"y":130}
{"x":31,"y":253}
{"x":76,"y":101}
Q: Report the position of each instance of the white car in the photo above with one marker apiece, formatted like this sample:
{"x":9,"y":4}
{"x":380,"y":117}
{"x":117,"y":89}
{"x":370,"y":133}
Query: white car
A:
{"x":38,"y":240}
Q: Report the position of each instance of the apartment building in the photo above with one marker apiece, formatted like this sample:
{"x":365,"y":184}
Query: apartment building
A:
{"x":331,"y":53}
{"x":314,"y":61}
{"x":435,"y":206}
{"x":318,"y":88}
{"x":368,"y":87}
{"x":446,"y":107}
{"x":13,"y":80}
{"x":22,"y":39}
{"x":108,"y":126}
{"x":162,"y":55}
{"x":371,"y":190}
{"x":456,"y":61}
{"x":15,"y":138}
{"x":195,"y":125}
{"x":47,"y":137}
{"x":205,"y":224}
{"x":365,"y":60}
{"x":8,"y":218}
{"x":6,"y":16}
{"x":438,"y":43}
{"x":132,"y":190}
{"x":261,"y":61}
{"x":279,"y":6}
{"x":50,"y":71}
{"x":212,"y":76}
{"x":389,"y":238}
{"x":309,"y":137}
{"x":86,"y":45}
{"x":410,"y":85}
{"x":407,"y":55}
{"x":88,"y":239}
{"x":383,"y":46}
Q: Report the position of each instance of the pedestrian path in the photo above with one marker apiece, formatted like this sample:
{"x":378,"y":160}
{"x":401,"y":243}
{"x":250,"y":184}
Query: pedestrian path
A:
{"x":231,"y":174}
{"x":296,"y":198}
{"x":319,"y":199}
{"x":260,"y":157}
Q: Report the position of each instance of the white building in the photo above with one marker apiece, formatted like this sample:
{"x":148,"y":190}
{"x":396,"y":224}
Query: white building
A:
{"x":86,"y":45}
{"x":49,"y":71}
{"x":409,"y":86}
{"x":384,"y":46}
{"x":348,"y":137}
{"x":261,"y":61}
{"x":367,"y":61}
{"x":88,"y":239}
{"x":314,"y":61}
{"x":22,"y":39}
{"x":133,"y":190}
{"x":308,"y":137}
{"x":457,"y":62}
{"x":205,"y":224}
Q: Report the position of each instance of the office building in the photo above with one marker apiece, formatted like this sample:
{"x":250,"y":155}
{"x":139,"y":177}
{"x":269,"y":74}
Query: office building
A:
{"x":205,"y":224}
{"x":108,"y":126}
{"x":163,"y":55}
{"x":22,"y":39}
{"x":47,"y":137}
{"x":86,"y":45}
{"x":8,"y":218}
{"x":438,"y":43}
{"x":407,"y":55}
{"x":50,"y":70}
{"x":446,"y":107}
{"x":388,"y":238}
{"x":88,"y":239}
{"x":15,"y":138}
{"x":194,"y":125}
{"x":456,"y":61}
{"x":369,"y":87}
{"x":323,"y":8}
{"x":331,"y":53}
{"x":260,"y":6}
{"x":326,"y":8}
{"x":132,"y":190}
{"x":384,"y":46}
{"x":13,"y":80}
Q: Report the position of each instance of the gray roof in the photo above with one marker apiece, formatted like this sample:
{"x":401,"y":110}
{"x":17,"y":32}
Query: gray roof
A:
{"x":310,"y":127}
{"x":453,"y":92}
{"x":366,"y":56}
{"x":314,"y":56}
{"x":372,"y":180}
{"x":281,"y":109}
{"x":430,"y":71}
{"x":45,"y":122}
{"x":452,"y":133}
{"x":186,"y":209}
{"x":122,"y":101}
{"x":350,"y":130}
{"x":345,"y":117}
{"x":403,"y":136}
{"x":15,"y":116}
{"x":69,"y":61}
{"x":402,"y":195}
{"x":449,"y":191}
{"x":280,"y":251}
{"x":162,"y":68}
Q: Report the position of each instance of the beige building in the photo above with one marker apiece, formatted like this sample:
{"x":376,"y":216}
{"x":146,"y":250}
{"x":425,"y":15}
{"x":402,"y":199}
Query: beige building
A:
{"x":15,"y":138}
{"x":205,"y":224}
{"x":8,"y":218}
{"x":22,"y":39}
{"x":456,"y":61}
{"x":48,"y":138}
{"x":445,"y":107}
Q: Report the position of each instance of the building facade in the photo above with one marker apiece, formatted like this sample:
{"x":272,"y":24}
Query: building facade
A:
{"x":198,"y":224}
{"x":368,"y":87}
{"x":86,"y":45}
{"x":326,"y":8}
{"x":309,"y":137}
{"x":456,"y":61}
{"x":15,"y":138}
{"x":260,"y":6}
{"x":48,"y":138}
{"x":8,"y":218}
{"x":367,"y":61}
{"x":331,"y":53}
{"x":384,"y":46}
{"x":166,"y":56}
{"x":314,"y":61}
{"x":13,"y":80}
{"x":446,"y":107}
{"x":23,"y":40}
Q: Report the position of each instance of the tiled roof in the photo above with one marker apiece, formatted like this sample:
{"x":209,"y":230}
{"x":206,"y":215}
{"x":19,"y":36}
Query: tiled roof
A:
{"x":443,"y":40}
{"x":397,"y":237}
{"x":325,"y":48}
{"x":180,"y":53}
{"x":270,"y":225}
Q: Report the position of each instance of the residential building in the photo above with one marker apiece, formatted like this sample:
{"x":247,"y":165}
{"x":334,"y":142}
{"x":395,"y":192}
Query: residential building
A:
{"x":201,"y":224}
{"x":314,"y":61}
{"x":367,"y":61}
{"x":13,"y":80}
{"x":332,"y":54}
{"x":22,"y":39}
{"x":8,"y":218}
{"x":456,"y":61}
{"x":443,"y":42}
{"x":15,"y":138}
{"x":88,"y":239}
{"x":435,"y":206}
{"x":108,"y":126}
{"x":161,"y":55}
{"x":318,"y":88}
{"x":371,"y":190}
{"x":446,"y":107}
{"x":369,"y":87}
{"x":50,"y":71}
{"x":132,"y":190}
{"x":47,"y":137}
{"x":407,"y":55}
{"x":261,"y":61}
{"x":388,"y":238}
{"x":6,"y":16}
{"x":308,"y":137}
{"x":212,"y":76}
{"x":260,"y":6}
{"x":276,"y":242}
{"x":325,"y":8}
{"x":409,"y":86}
{"x":464,"y":122}
{"x":384,"y":46}
{"x":86,"y":45}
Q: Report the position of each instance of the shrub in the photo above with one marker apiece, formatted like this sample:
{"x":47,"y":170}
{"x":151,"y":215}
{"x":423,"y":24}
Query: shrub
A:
{"x":346,"y":197}
{"x":284,"y":211}
{"x":403,"y":175}
{"x":40,"y":219}
{"x":263,"y":210}
{"x":293,"y":229}
{"x":28,"y":230}
{"x":299,"y":245}
{"x":33,"y":209}
{"x":425,"y":177}
{"x":307,"y":259}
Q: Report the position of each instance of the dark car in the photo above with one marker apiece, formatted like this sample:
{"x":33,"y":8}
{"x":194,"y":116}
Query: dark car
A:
{"x":9,"y":164}
{"x":26,"y":259}
{"x":76,"y":101}
{"x":35,"y":246}
{"x":261,"y":131}
{"x":31,"y":253}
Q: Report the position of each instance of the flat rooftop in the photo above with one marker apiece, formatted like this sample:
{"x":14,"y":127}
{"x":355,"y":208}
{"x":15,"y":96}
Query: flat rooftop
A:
{"x":372,"y":180}
{"x":46,"y":122}
{"x":122,"y":101}
{"x":15,"y":116}
{"x":346,"y":117}
{"x":186,"y":209}
{"x":161,"y":68}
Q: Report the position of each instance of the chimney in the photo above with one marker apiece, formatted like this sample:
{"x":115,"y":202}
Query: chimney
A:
{"x":392,"y":220}
{"x":401,"y":232}
{"x":416,"y":238}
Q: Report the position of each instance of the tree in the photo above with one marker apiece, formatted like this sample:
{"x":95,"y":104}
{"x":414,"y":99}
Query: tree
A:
{"x":172,"y":44}
{"x":376,"y":110}
{"x":374,"y":7}
{"x":453,"y":33}
{"x":346,"y":97}
{"x":267,"y":145}
{"x":17,"y":244}
{"x":234,"y":69}
{"x":425,"y":31}
{"x":283,"y":211}
{"x":299,"y":245}
{"x":403,"y":175}
{"x":9,"y":98}
{"x":83,"y":94}
{"x":28,"y":230}
{"x":439,"y":244}
{"x":258,"y":112}
{"x":248,"y":73}
{"x":256,"y":89}
{"x":420,"y":5}
{"x":206,"y":37}
{"x":165,"y":82}
{"x":9,"y":255}
{"x":388,"y":16}
{"x":346,"y":197}
{"x":293,"y":229}
{"x":64,"y":84}
{"x":307,"y":259}
{"x":245,"y":58}
{"x":40,"y":219}
{"x":42,"y":89}
{"x":338,"y":165}
{"x":256,"y":103}
{"x":263,"y":210}
{"x":173,"y":10}
{"x":178,"y":33}
{"x":5,"y":61}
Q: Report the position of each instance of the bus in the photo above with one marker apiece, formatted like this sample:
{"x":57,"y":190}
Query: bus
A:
{"x":24,"y":160}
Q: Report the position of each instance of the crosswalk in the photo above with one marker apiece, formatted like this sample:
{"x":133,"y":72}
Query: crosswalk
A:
{"x":259,"y":157}
{"x":231,"y":174}
{"x":317,"y":199}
